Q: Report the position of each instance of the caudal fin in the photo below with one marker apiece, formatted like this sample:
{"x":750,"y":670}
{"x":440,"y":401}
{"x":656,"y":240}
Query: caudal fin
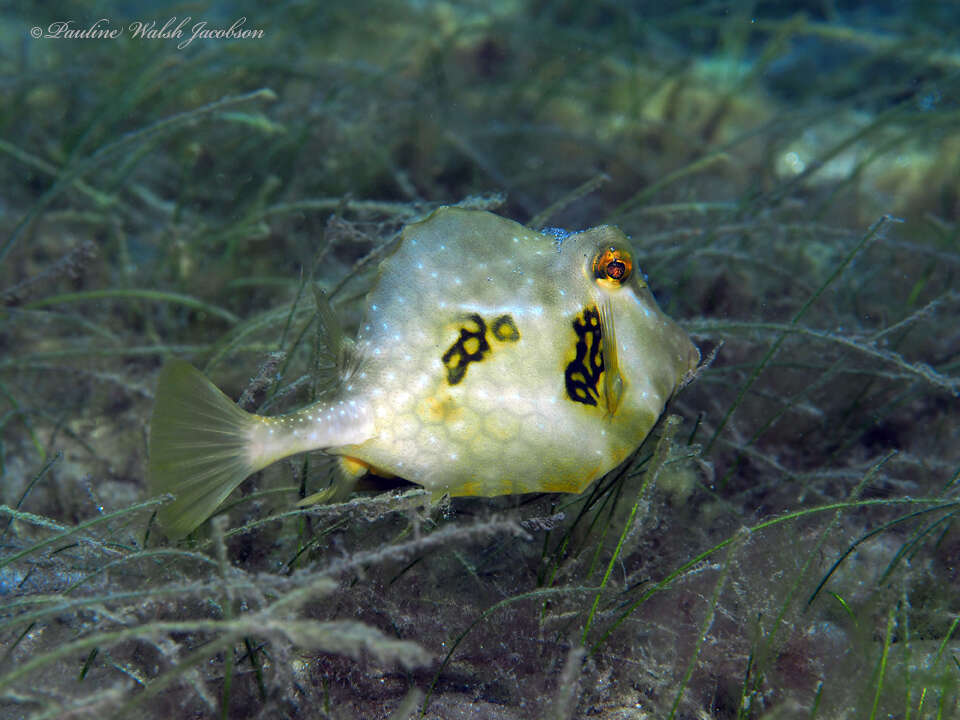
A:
{"x":198,"y":447}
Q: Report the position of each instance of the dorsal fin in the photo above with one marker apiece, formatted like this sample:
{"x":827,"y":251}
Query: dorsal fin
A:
{"x":339,"y":349}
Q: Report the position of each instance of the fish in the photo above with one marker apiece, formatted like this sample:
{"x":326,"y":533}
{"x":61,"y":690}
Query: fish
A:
{"x":493,"y":359}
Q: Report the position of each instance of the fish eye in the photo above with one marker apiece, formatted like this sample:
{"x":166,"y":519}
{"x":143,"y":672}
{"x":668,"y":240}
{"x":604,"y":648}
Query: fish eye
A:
{"x":612,"y":266}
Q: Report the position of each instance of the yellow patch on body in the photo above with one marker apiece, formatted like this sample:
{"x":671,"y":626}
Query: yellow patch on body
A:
{"x":558,"y":483}
{"x":440,"y":408}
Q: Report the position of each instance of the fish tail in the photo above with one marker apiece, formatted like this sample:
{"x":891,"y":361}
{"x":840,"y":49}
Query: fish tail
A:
{"x":199,"y":447}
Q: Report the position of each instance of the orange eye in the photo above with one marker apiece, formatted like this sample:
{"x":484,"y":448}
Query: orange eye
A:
{"x":612,"y":265}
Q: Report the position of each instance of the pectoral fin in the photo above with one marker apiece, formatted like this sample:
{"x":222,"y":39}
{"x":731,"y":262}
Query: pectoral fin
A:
{"x":613,"y":384}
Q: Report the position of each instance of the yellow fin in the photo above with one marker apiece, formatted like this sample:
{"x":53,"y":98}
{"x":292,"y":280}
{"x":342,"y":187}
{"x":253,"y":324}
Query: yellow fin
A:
{"x":319,"y":498}
{"x":346,"y":471}
{"x":198,"y":447}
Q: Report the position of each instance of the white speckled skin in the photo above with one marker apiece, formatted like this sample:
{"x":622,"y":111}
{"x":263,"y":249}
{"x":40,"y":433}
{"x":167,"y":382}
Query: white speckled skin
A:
{"x":508,"y":425}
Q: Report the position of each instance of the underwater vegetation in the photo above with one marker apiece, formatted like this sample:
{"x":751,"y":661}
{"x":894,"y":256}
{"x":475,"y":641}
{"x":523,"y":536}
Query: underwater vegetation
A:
{"x":784,"y":543}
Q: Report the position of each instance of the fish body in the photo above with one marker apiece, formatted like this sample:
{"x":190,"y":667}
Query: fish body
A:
{"x":493,"y":359}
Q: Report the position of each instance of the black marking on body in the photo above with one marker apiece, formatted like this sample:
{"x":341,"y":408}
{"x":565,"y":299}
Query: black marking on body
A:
{"x":582,"y":375}
{"x":470,"y":347}
{"x":505,"y":329}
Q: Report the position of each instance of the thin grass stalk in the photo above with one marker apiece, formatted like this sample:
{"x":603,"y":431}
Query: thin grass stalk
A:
{"x":660,"y":455}
{"x":772,"y":351}
{"x":738,"y":541}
